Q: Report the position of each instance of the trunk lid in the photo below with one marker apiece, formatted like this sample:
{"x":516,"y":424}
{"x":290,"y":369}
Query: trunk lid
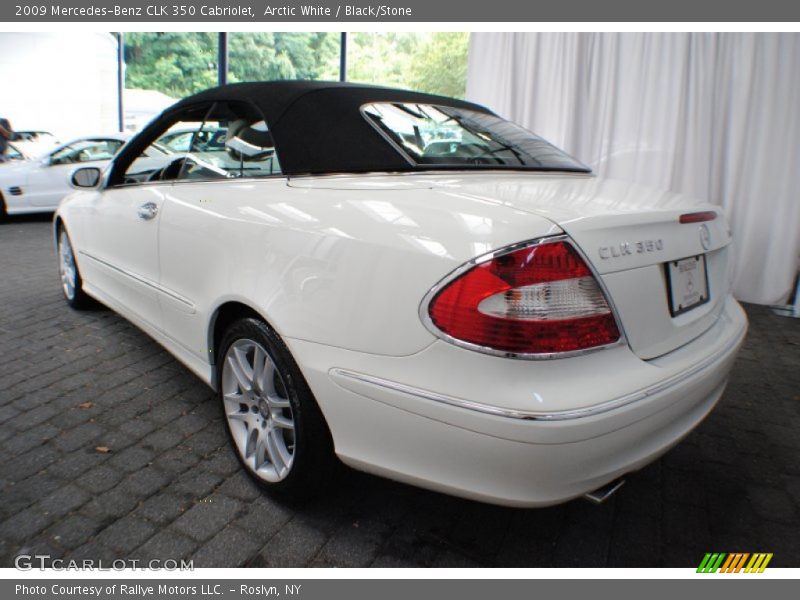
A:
{"x":640,"y":260}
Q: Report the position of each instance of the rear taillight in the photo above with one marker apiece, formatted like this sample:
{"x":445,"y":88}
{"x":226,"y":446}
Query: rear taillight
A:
{"x":698,"y":217}
{"x":541,"y":299}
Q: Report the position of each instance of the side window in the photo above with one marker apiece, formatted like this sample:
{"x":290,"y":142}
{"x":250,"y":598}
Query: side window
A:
{"x":163,"y":159}
{"x":234,"y":141}
{"x":224,"y":141}
{"x":86,"y":151}
{"x":178,"y":141}
{"x":62,"y":156}
{"x":205,"y":158}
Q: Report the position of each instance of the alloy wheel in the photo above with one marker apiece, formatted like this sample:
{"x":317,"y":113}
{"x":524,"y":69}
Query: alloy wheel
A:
{"x":66,"y":266}
{"x":258,"y":410}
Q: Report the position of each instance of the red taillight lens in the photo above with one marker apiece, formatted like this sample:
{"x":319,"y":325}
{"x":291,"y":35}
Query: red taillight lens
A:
{"x":698,"y":217}
{"x":541,"y":299}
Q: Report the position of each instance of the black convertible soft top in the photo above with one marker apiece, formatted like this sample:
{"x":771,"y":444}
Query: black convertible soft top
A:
{"x":317,"y":126}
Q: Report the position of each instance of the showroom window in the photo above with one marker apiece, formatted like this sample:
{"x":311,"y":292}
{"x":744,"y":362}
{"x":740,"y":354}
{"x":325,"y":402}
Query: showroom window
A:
{"x":162,"y":67}
{"x":179,"y":64}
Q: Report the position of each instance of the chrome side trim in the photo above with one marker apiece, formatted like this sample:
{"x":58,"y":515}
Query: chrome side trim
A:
{"x":141,"y":280}
{"x":427,"y":321}
{"x":563,"y":415}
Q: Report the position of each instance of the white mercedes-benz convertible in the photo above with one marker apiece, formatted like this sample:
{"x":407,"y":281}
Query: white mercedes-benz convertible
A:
{"x":413,"y":284}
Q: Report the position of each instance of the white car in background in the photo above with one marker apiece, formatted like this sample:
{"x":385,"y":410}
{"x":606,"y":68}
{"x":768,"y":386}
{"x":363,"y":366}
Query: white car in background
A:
{"x":415,"y":285}
{"x":35,"y":143}
{"x":38,"y":184}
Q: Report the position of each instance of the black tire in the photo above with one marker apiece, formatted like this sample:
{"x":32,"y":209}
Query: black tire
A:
{"x":75,"y":297}
{"x":3,"y":213}
{"x":313,"y":460}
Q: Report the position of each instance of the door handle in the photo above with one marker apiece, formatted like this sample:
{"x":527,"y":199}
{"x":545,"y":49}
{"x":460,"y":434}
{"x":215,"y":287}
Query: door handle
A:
{"x":148,"y":210}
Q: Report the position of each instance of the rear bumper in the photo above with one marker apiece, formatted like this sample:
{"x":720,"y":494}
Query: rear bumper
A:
{"x":514,"y":432}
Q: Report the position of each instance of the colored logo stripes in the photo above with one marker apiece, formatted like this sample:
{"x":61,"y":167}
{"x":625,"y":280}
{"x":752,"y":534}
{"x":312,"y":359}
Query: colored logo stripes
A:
{"x":721,"y":562}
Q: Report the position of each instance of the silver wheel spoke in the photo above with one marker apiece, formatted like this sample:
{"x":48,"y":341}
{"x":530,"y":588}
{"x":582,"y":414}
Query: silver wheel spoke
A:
{"x":259,"y":358}
{"x":267,"y":382}
{"x":240,"y":374}
{"x":276,"y":401}
{"x":252,"y":440}
{"x":280,"y":444}
{"x":263,"y":372}
{"x":235,"y":399}
{"x":241,"y":360}
{"x":239,"y":416}
{"x":276,"y":456}
{"x":283,"y":422}
{"x":261,"y":452}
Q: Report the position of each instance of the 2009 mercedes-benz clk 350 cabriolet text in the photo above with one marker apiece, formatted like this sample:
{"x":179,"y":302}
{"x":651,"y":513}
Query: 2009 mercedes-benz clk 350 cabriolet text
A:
{"x":413,"y":284}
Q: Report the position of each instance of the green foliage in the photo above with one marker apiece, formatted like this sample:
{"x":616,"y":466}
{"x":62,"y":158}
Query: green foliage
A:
{"x":179,"y":64}
{"x":380,"y":58}
{"x":428,"y":62}
{"x":269,"y":56}
{"x":440,"y":65}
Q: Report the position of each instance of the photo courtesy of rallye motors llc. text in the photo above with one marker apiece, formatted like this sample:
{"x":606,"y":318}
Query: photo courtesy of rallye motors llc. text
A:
{"x":60,"y":589}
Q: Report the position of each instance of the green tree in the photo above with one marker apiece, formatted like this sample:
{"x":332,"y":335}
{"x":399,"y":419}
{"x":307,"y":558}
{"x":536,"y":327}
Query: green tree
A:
{"x":177,"y":64}
{"x":270,"y":56}
{"x":439,"y":64}
{"x":381,"y":58}
{"x":428,"y":62}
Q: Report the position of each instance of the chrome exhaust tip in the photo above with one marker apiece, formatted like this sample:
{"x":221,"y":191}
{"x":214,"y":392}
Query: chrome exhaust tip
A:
{"x":602,"y":494}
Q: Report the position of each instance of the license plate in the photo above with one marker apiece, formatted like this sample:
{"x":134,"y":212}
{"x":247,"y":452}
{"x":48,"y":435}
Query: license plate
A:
{"x":687,"y":284}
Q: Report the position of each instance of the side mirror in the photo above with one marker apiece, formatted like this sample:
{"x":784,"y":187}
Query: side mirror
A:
{"x":85,"y":178}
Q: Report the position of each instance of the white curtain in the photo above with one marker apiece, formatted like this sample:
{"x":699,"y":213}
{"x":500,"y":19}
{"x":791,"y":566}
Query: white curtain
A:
{"x":712,"y":115}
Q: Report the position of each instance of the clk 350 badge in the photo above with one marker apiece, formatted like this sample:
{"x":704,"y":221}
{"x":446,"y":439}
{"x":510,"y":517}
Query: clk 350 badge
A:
{"x":630,"y":248}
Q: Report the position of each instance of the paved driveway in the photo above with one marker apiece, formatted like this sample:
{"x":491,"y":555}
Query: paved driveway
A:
{"x":170,"y":487}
